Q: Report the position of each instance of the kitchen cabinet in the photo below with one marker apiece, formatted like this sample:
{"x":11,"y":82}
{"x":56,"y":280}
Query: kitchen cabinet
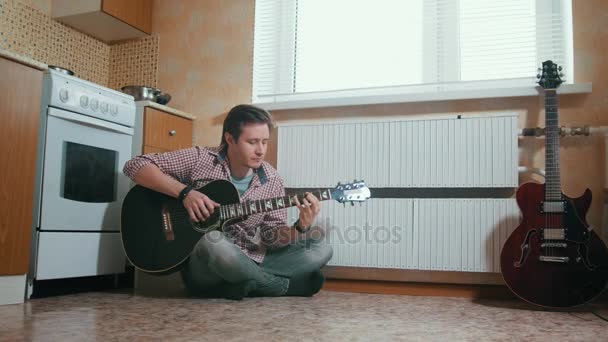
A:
{"x":21,"y":89}
{"x":137,"y":13}
{"x":157,"y":130}
{"x":166,"y":131}
{"x":108,"y":20}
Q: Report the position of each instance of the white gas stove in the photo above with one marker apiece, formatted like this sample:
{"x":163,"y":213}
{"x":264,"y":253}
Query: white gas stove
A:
{"x":87,"y":133}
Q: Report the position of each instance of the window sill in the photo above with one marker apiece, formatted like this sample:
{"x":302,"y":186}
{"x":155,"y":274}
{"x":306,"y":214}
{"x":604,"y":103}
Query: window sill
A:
{"x":297,"y":102}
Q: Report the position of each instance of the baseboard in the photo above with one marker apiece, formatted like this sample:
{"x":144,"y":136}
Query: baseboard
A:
{"x":419,"y":276}
{"x":12,"y":289}
{"x":418,"y":289}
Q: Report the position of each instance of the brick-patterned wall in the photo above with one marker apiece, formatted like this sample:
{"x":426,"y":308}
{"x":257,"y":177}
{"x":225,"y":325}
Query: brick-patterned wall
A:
{"x":28,"y":31}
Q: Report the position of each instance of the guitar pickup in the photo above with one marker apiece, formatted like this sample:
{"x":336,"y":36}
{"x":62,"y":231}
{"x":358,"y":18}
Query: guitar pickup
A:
{"x":554,"y":234}
{"x":553,"y":207}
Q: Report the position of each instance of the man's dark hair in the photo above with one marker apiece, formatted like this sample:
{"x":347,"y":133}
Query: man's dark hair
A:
{"x":240,"y":116}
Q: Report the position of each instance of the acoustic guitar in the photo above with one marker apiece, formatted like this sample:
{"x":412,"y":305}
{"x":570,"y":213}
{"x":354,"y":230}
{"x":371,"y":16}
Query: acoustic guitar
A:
{"x":553,"y":258}
{"x":158,"y":234}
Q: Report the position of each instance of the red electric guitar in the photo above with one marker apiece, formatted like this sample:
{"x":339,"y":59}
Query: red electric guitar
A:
{"x":554,"y":258}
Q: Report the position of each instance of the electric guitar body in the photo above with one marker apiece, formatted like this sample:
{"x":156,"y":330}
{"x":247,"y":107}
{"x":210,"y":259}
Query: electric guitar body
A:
{"x":551,"y":271}
{"x":553,"y":258}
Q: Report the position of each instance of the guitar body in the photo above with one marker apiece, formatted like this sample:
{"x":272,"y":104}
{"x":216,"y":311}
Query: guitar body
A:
{"x":148,"y":244}
{"x":554,"y":283}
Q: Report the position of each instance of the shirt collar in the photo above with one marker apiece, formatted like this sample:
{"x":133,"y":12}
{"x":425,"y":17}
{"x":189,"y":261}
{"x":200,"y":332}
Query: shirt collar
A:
{"x":221,"y":156}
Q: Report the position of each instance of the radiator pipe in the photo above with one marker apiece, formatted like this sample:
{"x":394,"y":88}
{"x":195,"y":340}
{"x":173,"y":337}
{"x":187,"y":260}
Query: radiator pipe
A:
{"x":575,"y":130}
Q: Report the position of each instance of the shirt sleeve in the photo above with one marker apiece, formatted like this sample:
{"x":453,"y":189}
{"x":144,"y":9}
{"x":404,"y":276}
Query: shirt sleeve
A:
{"x":274,"y":219}
{"x":177,"y":164}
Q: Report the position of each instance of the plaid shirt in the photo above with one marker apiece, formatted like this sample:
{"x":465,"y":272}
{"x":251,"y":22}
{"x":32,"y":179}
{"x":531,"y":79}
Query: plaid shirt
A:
{"x":200,"y":165}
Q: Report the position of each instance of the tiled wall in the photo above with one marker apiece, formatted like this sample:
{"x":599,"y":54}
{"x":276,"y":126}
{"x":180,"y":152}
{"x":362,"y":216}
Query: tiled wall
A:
{"x":134,"y":63}
{"x":31,"y":32}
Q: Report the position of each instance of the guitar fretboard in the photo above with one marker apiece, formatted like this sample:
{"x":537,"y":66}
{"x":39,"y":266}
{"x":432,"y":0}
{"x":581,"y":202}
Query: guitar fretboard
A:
{"x":553,"y":190}
{"x":229,"y":211}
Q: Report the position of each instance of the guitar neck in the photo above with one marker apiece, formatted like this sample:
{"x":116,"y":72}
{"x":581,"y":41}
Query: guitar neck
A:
{"x":238,"y":210}
{"x":552,"y":134}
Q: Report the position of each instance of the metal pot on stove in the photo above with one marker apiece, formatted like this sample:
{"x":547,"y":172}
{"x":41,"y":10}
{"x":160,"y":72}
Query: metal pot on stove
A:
{"x":62,"y":70}
{"x":143,"y":93}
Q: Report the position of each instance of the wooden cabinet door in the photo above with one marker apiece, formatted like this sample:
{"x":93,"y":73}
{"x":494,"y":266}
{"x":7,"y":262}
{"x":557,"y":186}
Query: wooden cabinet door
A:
{"x":21,"y":89}
{"x":166,"y":131}
{"x":137,"y":13}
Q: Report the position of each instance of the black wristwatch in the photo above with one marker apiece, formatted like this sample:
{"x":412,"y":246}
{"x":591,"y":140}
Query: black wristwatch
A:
{"x":299,"y":228}
{"x":182,"y":194}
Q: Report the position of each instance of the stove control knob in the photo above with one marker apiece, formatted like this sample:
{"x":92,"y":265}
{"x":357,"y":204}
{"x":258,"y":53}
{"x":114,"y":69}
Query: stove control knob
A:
{"x":104,"y":107}
{"x":113,"y":110}
{"x":64,"y":96}
{"x":84,"y":101}
{"x":94,"y":104}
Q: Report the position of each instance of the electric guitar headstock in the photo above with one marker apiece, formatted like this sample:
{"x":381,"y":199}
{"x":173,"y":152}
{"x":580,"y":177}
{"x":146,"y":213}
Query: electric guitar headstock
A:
{"x":549,"y":76}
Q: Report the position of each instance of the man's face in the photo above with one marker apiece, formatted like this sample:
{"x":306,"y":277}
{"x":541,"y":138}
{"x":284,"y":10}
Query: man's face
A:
{"x":251,"y":146}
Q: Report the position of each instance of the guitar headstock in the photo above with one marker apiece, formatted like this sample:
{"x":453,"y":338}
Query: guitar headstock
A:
{"x":356,"y":191}
{"x":550,"y":74}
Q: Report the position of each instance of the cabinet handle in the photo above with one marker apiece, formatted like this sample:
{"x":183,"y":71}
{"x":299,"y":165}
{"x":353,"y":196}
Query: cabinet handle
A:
{"x":172,"y":132}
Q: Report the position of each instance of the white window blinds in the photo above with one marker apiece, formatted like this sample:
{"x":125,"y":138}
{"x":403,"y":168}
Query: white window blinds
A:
{"x":317,"y":49}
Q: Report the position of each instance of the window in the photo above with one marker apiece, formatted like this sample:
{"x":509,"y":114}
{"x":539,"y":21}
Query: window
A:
{"x":319,"y":49}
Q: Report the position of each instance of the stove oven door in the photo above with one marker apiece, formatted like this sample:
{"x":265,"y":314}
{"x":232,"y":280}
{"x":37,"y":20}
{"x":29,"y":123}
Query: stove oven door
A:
{"x":83,"y":185}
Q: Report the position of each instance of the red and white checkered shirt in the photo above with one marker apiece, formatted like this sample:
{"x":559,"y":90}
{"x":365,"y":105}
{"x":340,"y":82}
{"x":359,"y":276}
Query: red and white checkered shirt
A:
{"x":200,"y":165}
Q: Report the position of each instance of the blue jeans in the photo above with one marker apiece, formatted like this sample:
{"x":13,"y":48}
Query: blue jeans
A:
{"x":216,"y":260}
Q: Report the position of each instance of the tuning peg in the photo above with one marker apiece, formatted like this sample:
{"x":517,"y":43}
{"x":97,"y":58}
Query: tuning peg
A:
{"x":538,"y":76}
{"x":559,"y":68}
{"x":352,"y":204}
{"x":539,"y":69}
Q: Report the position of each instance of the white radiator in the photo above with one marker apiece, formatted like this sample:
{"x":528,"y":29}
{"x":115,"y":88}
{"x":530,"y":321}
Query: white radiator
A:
{"x":445,"y":152}
{"x":478,"y":151}
{"x":422,"y":234}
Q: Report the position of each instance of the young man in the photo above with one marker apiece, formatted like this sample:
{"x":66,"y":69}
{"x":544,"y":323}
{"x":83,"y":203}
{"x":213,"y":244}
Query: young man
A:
{"x":260,"y":256}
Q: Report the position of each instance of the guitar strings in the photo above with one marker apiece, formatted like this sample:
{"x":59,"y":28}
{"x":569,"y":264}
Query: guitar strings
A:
{"x":554,"y":218}
{"x":180,"y":214}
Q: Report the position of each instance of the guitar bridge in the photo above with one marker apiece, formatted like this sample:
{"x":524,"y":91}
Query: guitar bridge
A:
{"x":167,"y":225}
{"x":563,"y":260}
{"x":553,"y":245}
